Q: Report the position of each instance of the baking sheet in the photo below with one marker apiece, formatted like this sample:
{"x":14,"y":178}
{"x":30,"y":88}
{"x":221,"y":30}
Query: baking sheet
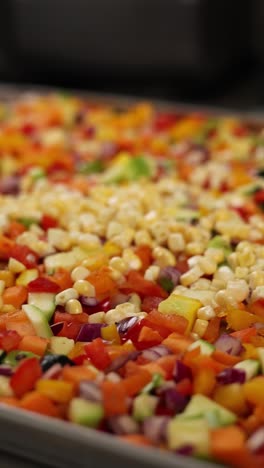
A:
{"x":58,"y":444}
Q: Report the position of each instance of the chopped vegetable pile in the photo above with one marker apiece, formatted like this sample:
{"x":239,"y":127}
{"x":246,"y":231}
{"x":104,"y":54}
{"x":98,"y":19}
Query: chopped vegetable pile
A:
{"x":132,"y":273}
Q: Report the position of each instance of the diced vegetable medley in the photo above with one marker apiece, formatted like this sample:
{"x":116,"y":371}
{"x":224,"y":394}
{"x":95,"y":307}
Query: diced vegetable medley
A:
{"x":132,"y":273}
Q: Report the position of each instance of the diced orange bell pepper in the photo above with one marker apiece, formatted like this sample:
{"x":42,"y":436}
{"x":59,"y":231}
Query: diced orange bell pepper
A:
{"x":78,"y":373}
{"x":204,"y":382}
{"x":57,"y":390}
{"x":34,"y":344}
{"x":231,"y":397}
{"x":15,"y":295}
{"x":39,"y":403}
{"x":114,"y":398}
{"x":176,"y":342}
{"x":253,"y":390}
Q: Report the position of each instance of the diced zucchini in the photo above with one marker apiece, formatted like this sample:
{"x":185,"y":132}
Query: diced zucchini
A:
{"x":157,"y":381}
{"x":250,"y":366}
{"x":201,"y":406}
{"x":205,"y":348}
{"x":218,"y":242}
{"x":5,"y":389}
{"x":38,"y":320}
{"x":85,"y":412}
{"x":193,"y":432}
{"x":144,"y":406}
{"x":181,"y":305}
{"x":11,"y":357}
{"x":44,"y":301}
{"x":67,"y":260}
{"x":60,"y":345}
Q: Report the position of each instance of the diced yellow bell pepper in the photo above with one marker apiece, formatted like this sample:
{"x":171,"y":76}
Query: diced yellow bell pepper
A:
{"x":238,"y":319}
{"x":253,"y":390}
{"x":76,"y":350}
{"x":181,"y":305}
{"x":95,"y":260}
{"x":110,"y":333}
{"x":8,"y":277}
{"x":56,"y":390}
{"x":26,"y":276}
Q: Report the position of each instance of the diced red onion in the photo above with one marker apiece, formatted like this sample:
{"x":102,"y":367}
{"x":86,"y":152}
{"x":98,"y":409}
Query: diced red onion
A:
{"x":108,"y":149}
{"x":57,"y":327}
{"x":121,"y":360}
{"x":154,"y":428}
{"x":174,"y":400}
{"x":88,"y":301}
{"x":123,"y":425}
{"x":255,"y":442}
{"x":229,"y":344}
{"x":124,"y":325}
{"x":53,"y":372}
{"x":90,"y":391}
{"x":185,"y":450}
{"x":165,"y":386}
{"x":155,"y":352}
{"x":181,"y":371}
{"x":6,"y":370}
{"x":171,"y":275}
{"x":231,"y":375}
{"x":9,"y":185}
{"x":89,"y":332}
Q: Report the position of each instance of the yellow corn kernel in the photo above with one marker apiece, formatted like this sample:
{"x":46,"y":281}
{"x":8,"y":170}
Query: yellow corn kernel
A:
{"x":15,"y":266}
{"x":217,"y":255}
{"x":56,"y":390}
{"x":191,"y":276}
{"x":238,"y":289}
{"x":111,"y":249}
{"x":207,"y":265}
{"x":73,"y":306}
{"x":194,"y":248}
{"x":135,"y":299}
{"x":241,"y":272}
{"x":246,"y":258}
{"x":206,"y":313}
{"x":176,"y":242}
{"x":98,"y":317}
{"x":152,"y":273}
{"x":64,"y":296}
{"x":200,"y":327}
{"x":84,"y":288}
{"x":163,"y":257}
{"x":256,"y":278}
{"x":79,"y":273}
{"x":119,"y":264}
{"x":125,"y":238}
{"x":8,"y":277}
{"x":142,"y":237}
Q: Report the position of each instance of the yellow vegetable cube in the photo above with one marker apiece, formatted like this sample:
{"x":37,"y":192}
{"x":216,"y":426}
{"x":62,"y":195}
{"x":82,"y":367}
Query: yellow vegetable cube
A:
{"x":181,"y":305}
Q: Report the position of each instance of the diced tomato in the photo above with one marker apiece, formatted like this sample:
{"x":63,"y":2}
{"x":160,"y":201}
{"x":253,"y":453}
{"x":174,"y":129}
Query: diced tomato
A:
{"x":70,"y":330}
{"x":9,"y":340}
{"x":25,"y":376}
{"x":65,"y":317}
{"x":136,"y":283}
{"x":97,"y":353}
{"x":259,"y":197}
{"x":25,"y":255}
{"x":48,"y":222}
{"x":150,"y":302}
{"x":42,"y":284}
{"x":144,"y":252}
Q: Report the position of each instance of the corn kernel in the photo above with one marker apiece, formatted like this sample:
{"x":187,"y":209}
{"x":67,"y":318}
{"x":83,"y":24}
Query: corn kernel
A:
{"x":73,"y":306}
{"x":224,"y":273}
{"x":121,"y":312}
{"x":206,"y":313}
{"x":256,"y":278}
{"x":116,"y":275}
{"x":223,"y":299}
{"x":84,"y":288}
{"x":64,"y":296}
{"x":15,"y":266}
{"x":119,"y":264}
{"x":191,"y":276}
{"x":135,"y":299}
{"x":111,"y":249}
{"x":207,"y":265}
{"x":176,"y":242}
{"x":133,"y":261}
{"x":98,"y":317}
{"x":79,"y":273}
{"x":246,"y":258}
{"x":241,"y":272}
{"x":163,"y":257}
{"x":152,"y":273}
{"x":200,"y":327}
{"x":258,"y":293}
{"x":194,"y":248}
{"x":142,"y":237}
{"x":238,"y":289}
{"x":217,"y":255}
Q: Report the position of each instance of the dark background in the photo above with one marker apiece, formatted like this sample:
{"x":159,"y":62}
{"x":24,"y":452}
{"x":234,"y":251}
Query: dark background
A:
{"x":200,"y":51}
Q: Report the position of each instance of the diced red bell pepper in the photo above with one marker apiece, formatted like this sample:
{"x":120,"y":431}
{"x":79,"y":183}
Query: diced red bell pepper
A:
{"x":97,"y":353}
{"x":136,"y":283}
{"x":25,"y":255}
{"x":48,"y":222}
{"x":65,"y":317}
{"x":42,"y":284}
{"x":25,"y":376}
{"x":150,"y":302}
{"x":9,"y":340}
{"x":70,"y":330}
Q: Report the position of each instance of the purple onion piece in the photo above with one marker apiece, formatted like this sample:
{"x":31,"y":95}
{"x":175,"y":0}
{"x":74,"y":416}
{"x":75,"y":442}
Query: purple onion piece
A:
{"x":124,"y":325}
{"x":229,"y":344}
{"x":174,"y":400}
{"x":255,"y":442}
{"x":155,"y":352}
{"x":90,"y":391}
{"x":89,"y":332}
{"x":57,"y":327}
{"x":231,"y":375}
{"x":181,"y":371}
{"x":120,"y":361}
{"x":6,"y":370}
{"x":123,"y":425}
{"x":88,"y":301}
{"x":53,"y":372}
{"x":10,"y":185}
{"x":185,"y":450}
{"x":108,"y":149}
{"x":169,"y":277}
{"x":155,"y":427}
